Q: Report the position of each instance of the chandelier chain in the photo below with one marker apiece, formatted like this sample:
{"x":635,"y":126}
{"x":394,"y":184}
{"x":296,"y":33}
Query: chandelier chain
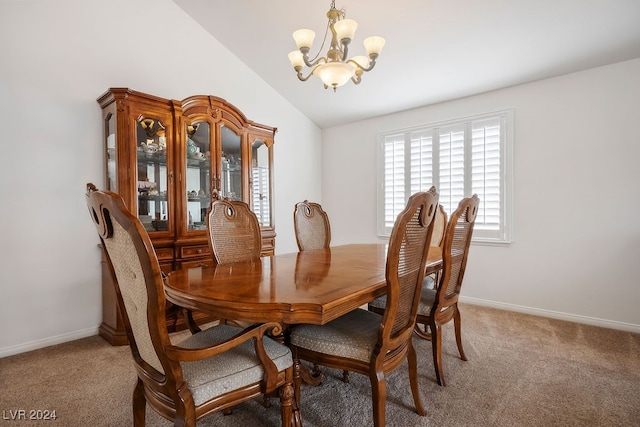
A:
{"x":324,"y":40}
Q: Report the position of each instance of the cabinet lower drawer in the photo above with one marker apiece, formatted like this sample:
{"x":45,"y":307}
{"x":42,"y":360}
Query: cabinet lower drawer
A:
{"x":194,"y":251}
{"x":164,"y":253}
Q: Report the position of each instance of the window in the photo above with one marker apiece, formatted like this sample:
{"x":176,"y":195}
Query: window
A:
{"x":461,"y":158}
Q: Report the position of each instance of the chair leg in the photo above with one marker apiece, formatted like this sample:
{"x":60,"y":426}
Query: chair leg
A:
{"x":345,"y":376}
{"x":296,"y":379}
{"x":378,"y":397}
{"x":288,"y":406}
{"x":458,"y":328}
{"x":185,"y":409}
{"x":139,"y":404}
{"x":436,"y":344}
{"x":413,"y":378}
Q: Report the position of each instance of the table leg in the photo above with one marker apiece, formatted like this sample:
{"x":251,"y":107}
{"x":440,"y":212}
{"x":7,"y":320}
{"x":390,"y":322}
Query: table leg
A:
{"x":311,"y":377}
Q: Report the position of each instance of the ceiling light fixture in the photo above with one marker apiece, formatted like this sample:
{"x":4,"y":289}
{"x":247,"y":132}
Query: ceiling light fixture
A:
{"x":335,"y":69}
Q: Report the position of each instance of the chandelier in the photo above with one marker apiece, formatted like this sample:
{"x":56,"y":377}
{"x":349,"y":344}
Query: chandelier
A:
{"x":335,"y":69}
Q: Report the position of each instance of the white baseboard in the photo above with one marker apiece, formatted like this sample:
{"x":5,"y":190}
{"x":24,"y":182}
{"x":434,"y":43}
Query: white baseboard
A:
{"x":46,"y":342}
{"x":611,"y":324}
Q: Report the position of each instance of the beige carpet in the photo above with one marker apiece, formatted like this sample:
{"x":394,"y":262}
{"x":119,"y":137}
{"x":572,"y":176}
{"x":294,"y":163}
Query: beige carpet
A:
{"x":522,"y":371}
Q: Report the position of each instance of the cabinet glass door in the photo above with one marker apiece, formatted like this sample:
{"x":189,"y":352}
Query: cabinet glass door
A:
{"x":198,"y":174}
{"x":112,"y":153}
{"x":152,"y":182}
{"x":260,"y":185}
{"x":231,"y":170}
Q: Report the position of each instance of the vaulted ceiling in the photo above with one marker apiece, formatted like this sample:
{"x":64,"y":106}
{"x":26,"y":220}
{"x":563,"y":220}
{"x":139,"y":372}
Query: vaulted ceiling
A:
{"x":436,"y":50}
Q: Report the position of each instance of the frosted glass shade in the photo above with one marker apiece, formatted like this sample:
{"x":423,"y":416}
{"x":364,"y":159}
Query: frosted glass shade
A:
{"x":374,"y":44}
{"x":345,"y":29}
{"x":304,"y":38}
{"x":296,"y":59}
{"x":335,"y":74}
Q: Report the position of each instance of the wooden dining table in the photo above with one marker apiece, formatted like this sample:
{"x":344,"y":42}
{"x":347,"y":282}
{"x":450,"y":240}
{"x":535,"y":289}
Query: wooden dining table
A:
{"x":312,"y":286}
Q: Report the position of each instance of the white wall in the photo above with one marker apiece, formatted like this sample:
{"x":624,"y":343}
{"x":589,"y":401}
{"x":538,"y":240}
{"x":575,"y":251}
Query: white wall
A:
{"x":576,"y":162}
{"x":56,"y":58}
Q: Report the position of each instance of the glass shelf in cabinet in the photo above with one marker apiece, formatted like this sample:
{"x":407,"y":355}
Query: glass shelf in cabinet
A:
{"x":198,"y":163}
{"x":198,"y":199}
{"x":146,"y":158}
{"x":152,"y":197}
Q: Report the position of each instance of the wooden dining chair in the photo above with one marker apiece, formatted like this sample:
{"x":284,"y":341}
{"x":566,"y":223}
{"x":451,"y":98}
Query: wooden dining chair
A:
{"x":311,"y":226}
{"x":313,"y":231}
{"x":369,"y":343}
{"x":440,"y":305}
{"x":207,"y":372}
{"x":234,"y":236}
{"x":234,"y":231}
{"x":431,"y":278}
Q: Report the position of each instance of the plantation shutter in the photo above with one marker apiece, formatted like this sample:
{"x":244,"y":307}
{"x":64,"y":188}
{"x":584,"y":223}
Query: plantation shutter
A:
{"x":394,"y":180}
{"x":461,"y":158}
{"x":421,"y":161}
{"x":485,"y":172}
{"x":451,"y":179}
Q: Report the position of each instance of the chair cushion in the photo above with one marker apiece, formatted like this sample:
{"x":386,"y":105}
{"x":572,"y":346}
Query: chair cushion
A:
{"x":231,"y":370}
{"x":427,"y":284}
{"x":353,"y":335}
{"x":427,"y":298}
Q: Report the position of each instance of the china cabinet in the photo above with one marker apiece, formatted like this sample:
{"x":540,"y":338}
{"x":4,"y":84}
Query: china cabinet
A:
{"x":169,"y":159}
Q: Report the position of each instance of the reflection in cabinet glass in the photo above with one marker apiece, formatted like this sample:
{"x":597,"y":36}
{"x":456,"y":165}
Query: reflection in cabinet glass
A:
{"x":231,"y":155}
{"x":111,"y":155}
{"x":260,"y":186}
{"x":198,"y":175}
{"x":151,"y":154}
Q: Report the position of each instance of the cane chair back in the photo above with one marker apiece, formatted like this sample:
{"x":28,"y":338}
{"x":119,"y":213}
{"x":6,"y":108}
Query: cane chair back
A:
{"x":440,"y":305}
{"x":437,"y":239}
{"x":369,"y":343}
{"x":209,"y":371}
{"x":439,"y":226}
{"x":234,"y":232}
{"x":311,"y":225}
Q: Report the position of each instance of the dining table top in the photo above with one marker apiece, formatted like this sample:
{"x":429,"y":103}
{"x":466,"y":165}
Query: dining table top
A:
{"x":311,"y":286}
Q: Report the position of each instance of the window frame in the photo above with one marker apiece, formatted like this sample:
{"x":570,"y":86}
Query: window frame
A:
{"x":505,"y":232}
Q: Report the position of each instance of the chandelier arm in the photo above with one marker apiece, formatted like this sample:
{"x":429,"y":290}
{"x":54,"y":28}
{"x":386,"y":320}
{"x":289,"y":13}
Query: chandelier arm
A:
{"x":315,"y":63}
{"x":356,"y":79}
{"x":372,"y":63}
{"x":345,"y":49}
{"x":300,"y":75}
